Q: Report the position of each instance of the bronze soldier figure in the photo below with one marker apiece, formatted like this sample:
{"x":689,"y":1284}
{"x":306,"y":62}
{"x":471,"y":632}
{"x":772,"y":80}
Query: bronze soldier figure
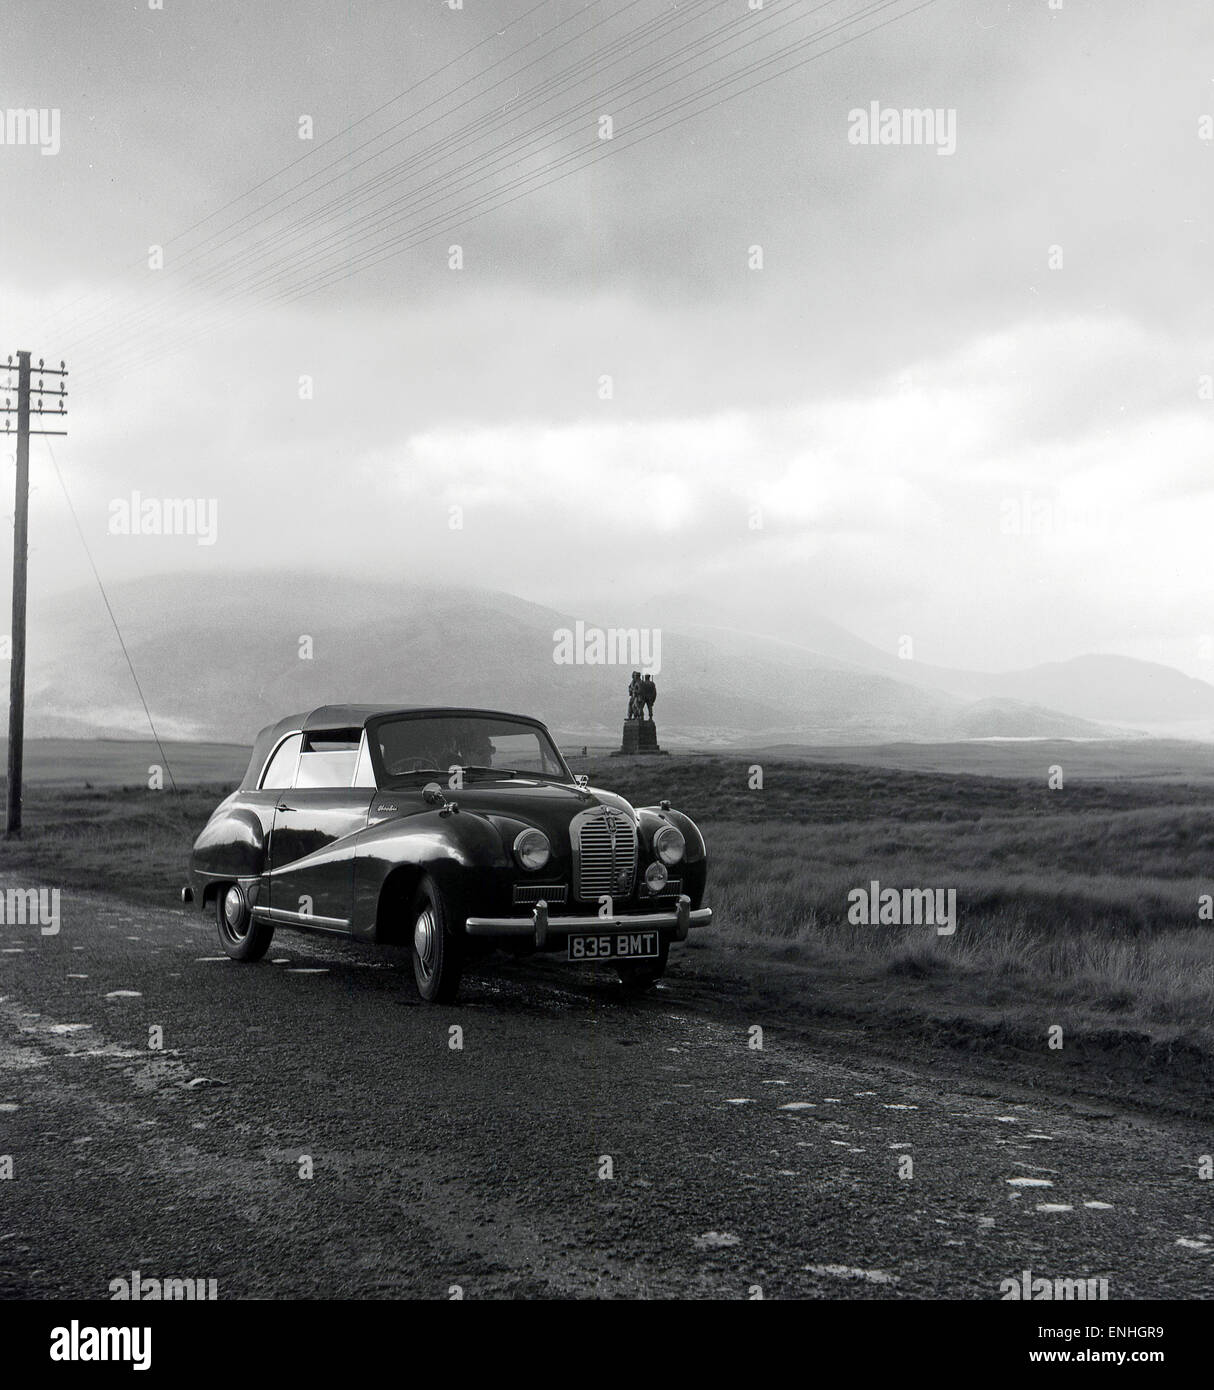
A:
{"x":634,"y":696}
{"x":649,"y":694}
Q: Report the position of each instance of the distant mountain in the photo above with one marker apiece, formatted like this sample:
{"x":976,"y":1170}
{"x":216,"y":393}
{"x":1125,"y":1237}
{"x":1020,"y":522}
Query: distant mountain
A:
{"x":1010,"y":719}
{"x":1097,"y":687}
{"x":218,"y":657}
{"x":1120,"y":690}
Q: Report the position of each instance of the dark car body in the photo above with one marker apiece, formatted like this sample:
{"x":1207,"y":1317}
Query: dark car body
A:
{"x":351,"y":859}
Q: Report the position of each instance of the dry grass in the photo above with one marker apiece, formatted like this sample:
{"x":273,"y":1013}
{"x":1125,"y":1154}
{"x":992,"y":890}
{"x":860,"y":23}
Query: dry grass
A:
{"x":1078,"y":905}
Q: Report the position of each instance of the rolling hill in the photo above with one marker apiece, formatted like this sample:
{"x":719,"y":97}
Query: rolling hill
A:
{"x":219,"y":657}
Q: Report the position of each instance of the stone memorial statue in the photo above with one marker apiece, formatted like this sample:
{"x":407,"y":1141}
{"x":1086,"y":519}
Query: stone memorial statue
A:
{"x":640,"y":731}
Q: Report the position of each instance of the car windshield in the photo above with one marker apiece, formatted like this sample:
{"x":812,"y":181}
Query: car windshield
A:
{"x":482,"y":744}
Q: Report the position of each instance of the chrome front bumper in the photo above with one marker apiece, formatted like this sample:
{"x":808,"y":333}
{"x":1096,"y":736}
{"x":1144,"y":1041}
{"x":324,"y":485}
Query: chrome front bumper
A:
{"x":541,"y":926}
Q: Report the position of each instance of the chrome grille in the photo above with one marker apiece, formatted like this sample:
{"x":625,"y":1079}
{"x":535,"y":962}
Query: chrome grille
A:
{"x":604,"y":853}
{"x":533,"y":892}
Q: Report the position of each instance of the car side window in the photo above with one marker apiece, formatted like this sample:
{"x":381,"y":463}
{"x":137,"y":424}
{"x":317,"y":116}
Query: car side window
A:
{"x":327,"y":760}
{"x":364,"y":773}
{"x":281,"y":771}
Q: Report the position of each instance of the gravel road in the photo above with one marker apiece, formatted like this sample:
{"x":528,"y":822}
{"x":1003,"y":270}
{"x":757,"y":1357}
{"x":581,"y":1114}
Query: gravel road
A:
{"x":577,"y":1144}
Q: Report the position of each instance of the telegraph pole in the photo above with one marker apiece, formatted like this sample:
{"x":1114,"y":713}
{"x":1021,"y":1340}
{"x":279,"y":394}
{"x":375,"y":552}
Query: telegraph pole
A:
{"x":16,"y":689}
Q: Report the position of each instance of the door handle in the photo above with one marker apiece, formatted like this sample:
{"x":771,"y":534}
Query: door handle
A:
{"x":282,"y":806}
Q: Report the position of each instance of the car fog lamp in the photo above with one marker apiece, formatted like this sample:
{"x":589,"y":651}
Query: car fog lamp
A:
{"x":656,"y":877}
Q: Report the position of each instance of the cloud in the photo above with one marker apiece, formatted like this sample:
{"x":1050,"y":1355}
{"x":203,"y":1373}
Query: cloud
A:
{"x":903,"y":375}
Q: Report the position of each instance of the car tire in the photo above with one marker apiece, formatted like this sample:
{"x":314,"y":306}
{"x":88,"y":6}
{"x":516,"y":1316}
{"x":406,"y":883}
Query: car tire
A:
{"x":434,"y":946}
{"x":240,"y":934}
{"x":638,"y":976}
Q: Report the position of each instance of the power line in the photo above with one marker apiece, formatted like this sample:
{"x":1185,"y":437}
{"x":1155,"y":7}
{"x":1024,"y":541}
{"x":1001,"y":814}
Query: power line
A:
{"x":344,"y":238}
{"x":171,"y":336}
{"x":493,"y":201}
{"x":345,"y":241}
{"x":310,"y":153}
{"x":549,"y":88}
{"x":109,"y":609}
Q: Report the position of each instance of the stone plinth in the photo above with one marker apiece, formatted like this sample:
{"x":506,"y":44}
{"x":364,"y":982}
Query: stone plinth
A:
{"x":640,"y":739}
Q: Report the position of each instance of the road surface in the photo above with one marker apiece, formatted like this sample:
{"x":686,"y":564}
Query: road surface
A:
{"x":578,"y":1144}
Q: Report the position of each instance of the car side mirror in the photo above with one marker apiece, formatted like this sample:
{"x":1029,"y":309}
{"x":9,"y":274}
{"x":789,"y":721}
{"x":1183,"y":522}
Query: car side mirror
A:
{"x":432,"y":794}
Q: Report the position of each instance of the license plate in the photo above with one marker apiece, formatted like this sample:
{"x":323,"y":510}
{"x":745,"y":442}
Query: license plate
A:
{"x":637,"y":945}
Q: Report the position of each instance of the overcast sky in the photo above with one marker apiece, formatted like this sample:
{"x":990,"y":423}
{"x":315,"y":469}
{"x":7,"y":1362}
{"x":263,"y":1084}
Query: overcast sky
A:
{"x":906,"y":421}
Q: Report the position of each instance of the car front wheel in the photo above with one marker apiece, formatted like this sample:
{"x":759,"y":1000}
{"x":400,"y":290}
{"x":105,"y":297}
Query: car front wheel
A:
{"x":241,"y":937}
{"x":437,"y":959}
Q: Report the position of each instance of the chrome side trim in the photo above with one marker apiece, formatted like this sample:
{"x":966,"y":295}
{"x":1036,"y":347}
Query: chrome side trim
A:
{"x":306,"y":919}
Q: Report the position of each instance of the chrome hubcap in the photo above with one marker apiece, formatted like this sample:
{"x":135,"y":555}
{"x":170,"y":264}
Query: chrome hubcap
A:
{"x":234,"y":912}
{"x":424,"y":933}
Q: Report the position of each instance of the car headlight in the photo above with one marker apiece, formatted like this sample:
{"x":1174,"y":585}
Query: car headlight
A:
{"x":668,"y":844}
{"x":656,"y":877}
{"x":531,"y":849}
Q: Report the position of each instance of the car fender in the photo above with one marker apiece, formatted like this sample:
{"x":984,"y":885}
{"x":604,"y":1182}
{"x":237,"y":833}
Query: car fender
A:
{"x":390,"y":858}
{"x":693,"y":868}
{"x":232,"y":845}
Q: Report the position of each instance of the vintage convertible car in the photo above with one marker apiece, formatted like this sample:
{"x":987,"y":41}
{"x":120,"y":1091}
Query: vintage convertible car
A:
{"x":452,"y":830}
